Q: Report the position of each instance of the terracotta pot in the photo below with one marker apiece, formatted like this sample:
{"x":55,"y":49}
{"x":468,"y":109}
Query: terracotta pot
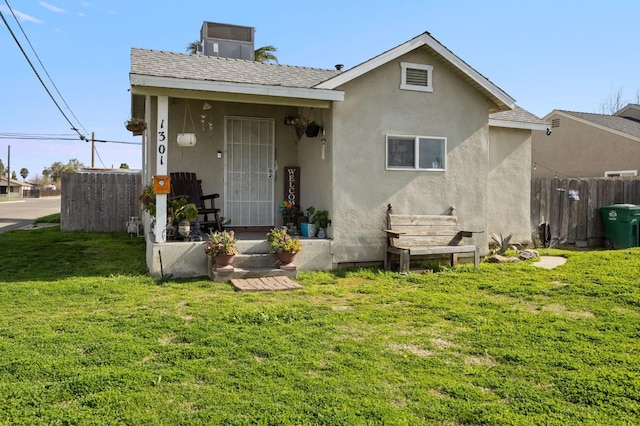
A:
{"x":286,"y":257}
{"x":223,"y":260}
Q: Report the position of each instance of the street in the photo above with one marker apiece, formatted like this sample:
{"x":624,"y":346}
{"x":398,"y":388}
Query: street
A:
{"x":22,"y":211}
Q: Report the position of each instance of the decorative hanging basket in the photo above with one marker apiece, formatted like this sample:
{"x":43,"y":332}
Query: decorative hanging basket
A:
{"x":301,"y":128}
{"x":187,"y":140}
{"x":312,"y":130}
{"x":136,"y":126}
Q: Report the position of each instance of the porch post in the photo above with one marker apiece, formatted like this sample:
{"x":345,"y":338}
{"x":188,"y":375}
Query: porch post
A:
{"x":162,"y":146}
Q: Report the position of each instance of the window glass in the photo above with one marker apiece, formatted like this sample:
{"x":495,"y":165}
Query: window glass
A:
{"x":416,"y":152}
{"x":431,"y":153}
{"x":400,"y":152}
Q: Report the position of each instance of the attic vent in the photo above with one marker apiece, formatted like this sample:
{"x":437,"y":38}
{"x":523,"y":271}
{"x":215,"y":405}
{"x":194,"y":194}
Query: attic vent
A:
{"x":555,"y":122}
{"x":416,"y":77}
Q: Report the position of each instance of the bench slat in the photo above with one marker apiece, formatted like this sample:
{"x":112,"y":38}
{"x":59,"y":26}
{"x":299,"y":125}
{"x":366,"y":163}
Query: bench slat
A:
{"x":414,"y":219}
{"x":427,"y":230}
{"x":438,"y":240}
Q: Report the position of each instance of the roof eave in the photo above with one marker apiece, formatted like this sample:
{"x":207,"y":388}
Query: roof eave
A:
{"x":591,"y":123}
{"x":236,"y":88}
{"x":517,"y":124}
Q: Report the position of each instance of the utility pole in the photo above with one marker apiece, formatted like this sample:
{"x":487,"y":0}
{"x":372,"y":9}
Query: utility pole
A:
{"x":9,"y":170}
{"x":93,"y":148}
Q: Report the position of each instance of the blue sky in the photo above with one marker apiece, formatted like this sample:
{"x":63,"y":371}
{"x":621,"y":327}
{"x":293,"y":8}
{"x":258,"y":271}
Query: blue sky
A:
{"x":546,"y":54}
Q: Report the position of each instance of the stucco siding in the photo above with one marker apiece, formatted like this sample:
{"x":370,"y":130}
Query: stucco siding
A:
{"x":509,"y":183}
{"x":375,"y":106}
{"x":576,"y":149}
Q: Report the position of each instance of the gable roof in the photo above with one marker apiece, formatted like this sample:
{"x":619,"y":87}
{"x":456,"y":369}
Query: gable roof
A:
{"x":503,"y":101}
{"x":169,"y":70}
{"x":13,"y":182}
{"x":517,"y":118}
{"x":611,"y":123}
{"x":631,"y":111}
{"x":209,"y":73}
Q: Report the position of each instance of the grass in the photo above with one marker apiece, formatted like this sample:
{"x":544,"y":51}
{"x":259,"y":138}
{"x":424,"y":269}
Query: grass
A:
{"x":86,"y":337}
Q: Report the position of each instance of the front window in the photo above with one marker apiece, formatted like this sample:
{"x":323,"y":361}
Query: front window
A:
{"x":416,"y":152}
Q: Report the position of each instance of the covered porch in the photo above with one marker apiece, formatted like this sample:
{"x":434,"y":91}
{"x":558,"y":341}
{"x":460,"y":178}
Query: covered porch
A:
{"x":247,"y":150}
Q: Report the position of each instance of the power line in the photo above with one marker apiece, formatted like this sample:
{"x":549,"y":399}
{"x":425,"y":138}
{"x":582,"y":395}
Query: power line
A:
{"x":55,"y":137}
{"x":82,"y":137}
{"x":44,"y":68}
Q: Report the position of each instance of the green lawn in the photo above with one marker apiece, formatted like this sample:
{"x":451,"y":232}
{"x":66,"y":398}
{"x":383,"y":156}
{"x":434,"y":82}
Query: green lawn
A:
{"x":86,"y":337}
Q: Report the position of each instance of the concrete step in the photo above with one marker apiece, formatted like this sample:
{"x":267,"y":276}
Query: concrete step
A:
{"x":250,"y":266}
{"x":257,"y":260}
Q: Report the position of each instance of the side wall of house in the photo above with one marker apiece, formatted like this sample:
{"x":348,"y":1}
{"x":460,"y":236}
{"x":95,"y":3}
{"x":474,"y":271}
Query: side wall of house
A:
{"x":509,"y":183}
{"x":575,"y":149}
{"x":374,"y":107}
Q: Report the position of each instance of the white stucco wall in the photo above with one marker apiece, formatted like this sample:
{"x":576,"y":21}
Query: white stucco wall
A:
{"x":509,"y":183}
{"x":374,"y":106}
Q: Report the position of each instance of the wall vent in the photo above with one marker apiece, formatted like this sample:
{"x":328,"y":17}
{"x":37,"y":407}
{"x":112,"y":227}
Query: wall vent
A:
{"x":555,"y":122}
{"x":416,"y":77}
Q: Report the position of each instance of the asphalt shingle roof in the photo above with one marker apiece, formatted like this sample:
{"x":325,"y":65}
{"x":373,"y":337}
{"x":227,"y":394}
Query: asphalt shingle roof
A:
{"x":518,"y":114}
{"x":209,"y":68}
{"x":613,"y":122}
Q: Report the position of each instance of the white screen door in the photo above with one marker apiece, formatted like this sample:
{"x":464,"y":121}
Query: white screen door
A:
{"x":249,"y":171}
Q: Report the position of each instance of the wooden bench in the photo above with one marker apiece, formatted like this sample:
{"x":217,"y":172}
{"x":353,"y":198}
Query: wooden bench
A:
{"x":413,"y":235}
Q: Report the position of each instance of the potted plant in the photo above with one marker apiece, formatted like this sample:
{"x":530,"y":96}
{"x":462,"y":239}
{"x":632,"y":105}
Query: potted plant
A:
{"x":222,"y":246}
{"x":290,"y":214}
{"x":308,"y":227}
{"x":283,"y":245}
{"x":135,"y":125}
{"x":322,"y":221}
{"x":148,"y":200}
{"x":184,"y":213}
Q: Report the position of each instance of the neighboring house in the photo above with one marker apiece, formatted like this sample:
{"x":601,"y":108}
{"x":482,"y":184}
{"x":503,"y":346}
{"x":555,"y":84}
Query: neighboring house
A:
{"x":581,"y":144}
{"x":13,"y":188}
{"x":410,"y":127}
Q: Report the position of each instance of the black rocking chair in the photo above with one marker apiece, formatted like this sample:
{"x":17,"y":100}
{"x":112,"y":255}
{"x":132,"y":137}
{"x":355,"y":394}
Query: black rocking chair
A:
{"x":185,"y":184}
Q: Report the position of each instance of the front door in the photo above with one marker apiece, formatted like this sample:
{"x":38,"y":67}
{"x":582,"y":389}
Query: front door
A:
{"x":249,"y":147}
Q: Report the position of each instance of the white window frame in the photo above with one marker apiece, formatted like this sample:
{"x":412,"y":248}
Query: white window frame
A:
{"x":403,"y":82}
{"x":442,"y":161}
{"x":616,"y":173}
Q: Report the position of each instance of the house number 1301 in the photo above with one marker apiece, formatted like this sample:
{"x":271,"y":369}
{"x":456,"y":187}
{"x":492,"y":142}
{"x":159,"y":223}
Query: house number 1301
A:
{"x":162,"y":148}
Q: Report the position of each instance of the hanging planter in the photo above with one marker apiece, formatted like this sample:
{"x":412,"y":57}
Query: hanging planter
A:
{"x":312,"y":130}
{"x":187,"y":140}
{"x":301,"y":128}
{"x":136,"y":126}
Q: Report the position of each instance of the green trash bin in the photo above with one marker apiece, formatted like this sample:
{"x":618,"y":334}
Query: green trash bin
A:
{"x":621,"y":225}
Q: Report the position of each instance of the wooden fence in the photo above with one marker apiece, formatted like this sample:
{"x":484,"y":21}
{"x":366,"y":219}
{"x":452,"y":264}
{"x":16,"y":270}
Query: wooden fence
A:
{"x":99,"y":201}
{"x":578,"y":221}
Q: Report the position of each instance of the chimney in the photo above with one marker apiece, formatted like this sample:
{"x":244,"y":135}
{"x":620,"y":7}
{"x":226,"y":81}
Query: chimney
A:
{"x":339,"y":67}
